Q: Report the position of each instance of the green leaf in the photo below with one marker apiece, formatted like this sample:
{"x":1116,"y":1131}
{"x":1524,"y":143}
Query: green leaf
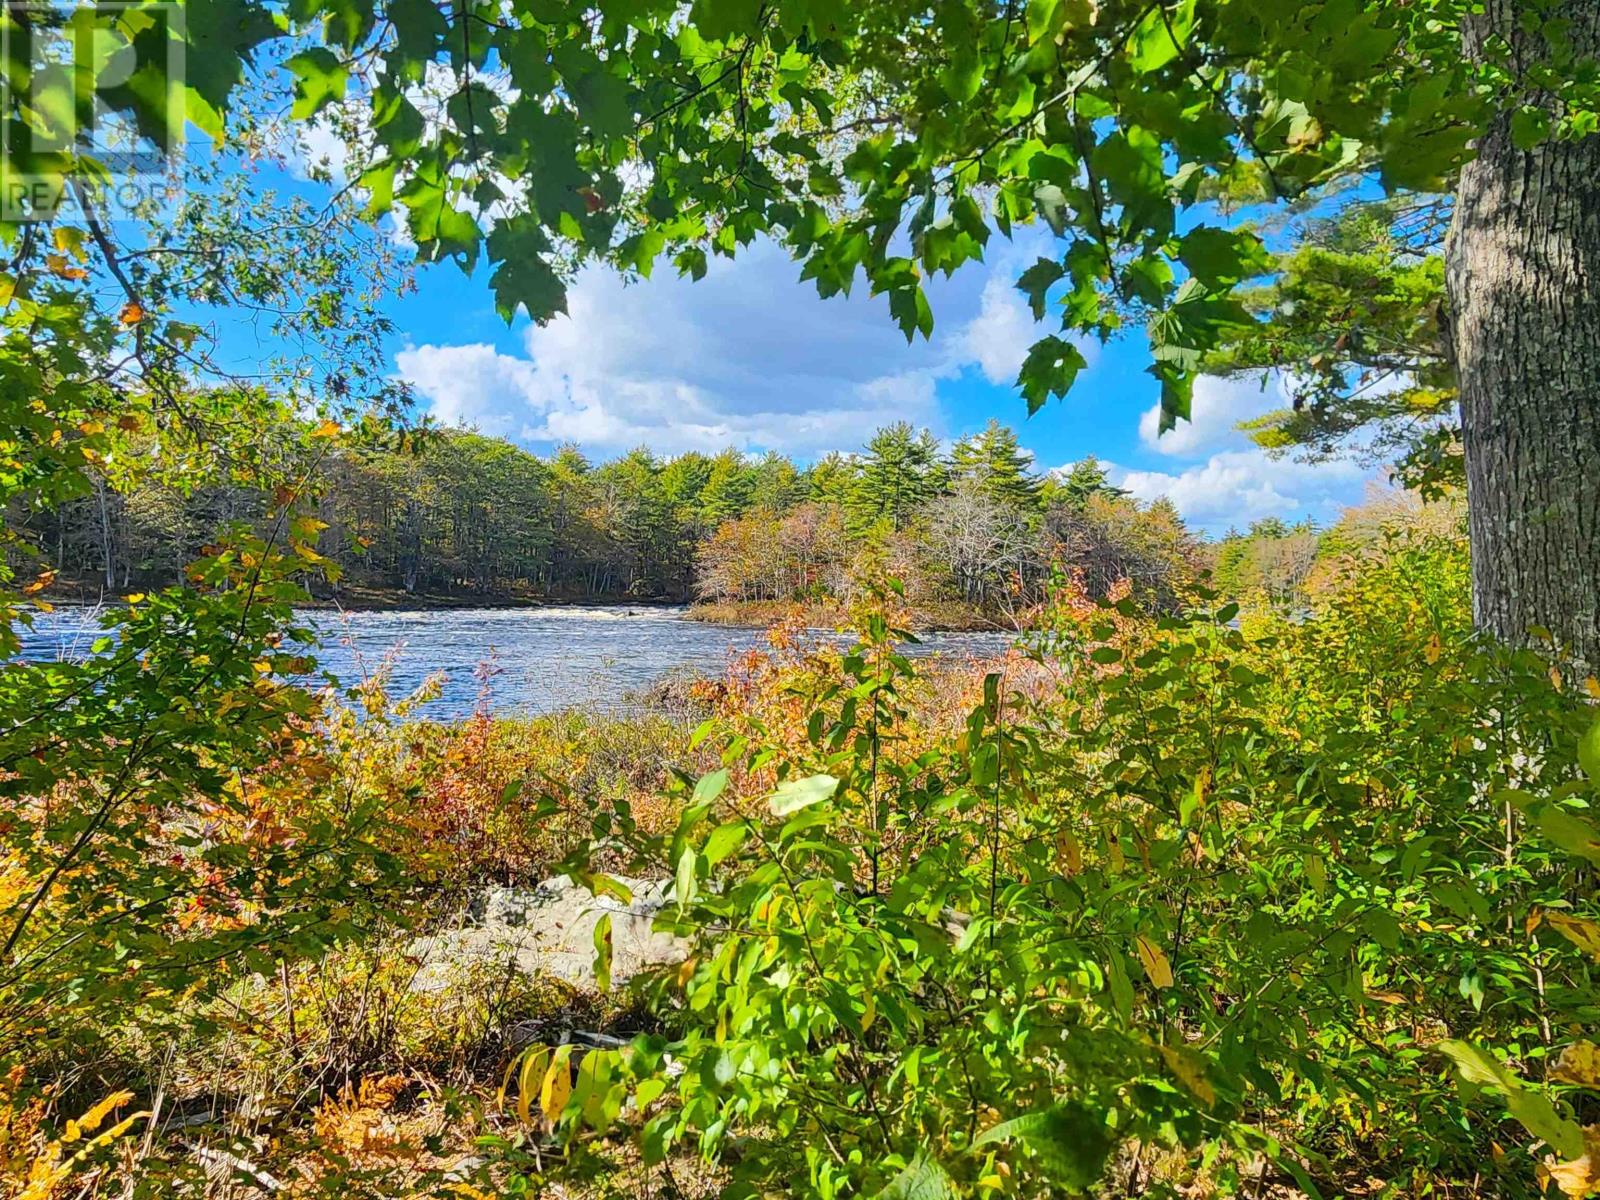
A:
{"x":1160,"y":37}
{"x":1070,"y":1138}
{"x":1221,"y":257}
{"x":795,"y":794}
{"x":921,"y":1179}
{"x":963,"y":76}
{"x":602,"y":953}
{"x":1042,"y":18}
{"x":602,"y":101}
{"x":1049,"y":370}
{"x":708,"y":787}
{"x":1572,"y":833}
{"x":686,"y":882}
{"x":911,"y":311}
{"x":724,"y":840}
{"x":1530,"y":1109}
{"x":1035,"y":282}
{"x":1530,"y":125}
{"x":319,"y":79}
{"x":1589,"y":753}
{"x":528,"y":283}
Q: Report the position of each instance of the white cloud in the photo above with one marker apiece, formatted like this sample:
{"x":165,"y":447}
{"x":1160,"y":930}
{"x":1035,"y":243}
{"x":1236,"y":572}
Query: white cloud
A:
{"x":1235,"y":487}
{"x":1217,"y":407}
{"x":749,"y":357}
{"x":469,"y":385}
{"x":997,"y":339}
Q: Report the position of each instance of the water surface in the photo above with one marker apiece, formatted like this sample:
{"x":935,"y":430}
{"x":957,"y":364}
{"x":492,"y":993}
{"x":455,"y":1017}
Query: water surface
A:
{"x":532,"y":660}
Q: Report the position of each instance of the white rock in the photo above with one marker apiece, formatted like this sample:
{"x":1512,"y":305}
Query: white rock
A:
{"x":549,"y":929}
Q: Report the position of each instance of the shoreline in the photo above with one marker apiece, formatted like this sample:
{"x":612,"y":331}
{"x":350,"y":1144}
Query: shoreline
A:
{"x":746,"y":615}
{"x":763,"y":614}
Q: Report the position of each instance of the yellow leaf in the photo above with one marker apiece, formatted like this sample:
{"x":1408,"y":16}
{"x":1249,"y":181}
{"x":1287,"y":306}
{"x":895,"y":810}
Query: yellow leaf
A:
{"x":870,"y":1014}
{"x":1069,"y":854}
{"x":1433,"y":649}
{"x":557,"y":1085}
{"x":1585,"y":935}
{"x":59,"y":267}
{"x":1154,"y":962}
{"x":132,"y":313}
{"x":1190,"y":1070}
{"x":69,"y":239}
{"x":328,"y":429}
{"x":530,"y":1069}
{"x":1581,"y":1176}
{"x":90,"y":428}
{"x":1580,"y":1064}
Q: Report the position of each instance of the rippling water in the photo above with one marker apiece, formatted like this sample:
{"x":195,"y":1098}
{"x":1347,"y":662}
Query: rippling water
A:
{"x":543,"y":658}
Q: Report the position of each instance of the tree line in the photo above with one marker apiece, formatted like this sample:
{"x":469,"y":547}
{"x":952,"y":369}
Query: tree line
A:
{"x":468,"y":516}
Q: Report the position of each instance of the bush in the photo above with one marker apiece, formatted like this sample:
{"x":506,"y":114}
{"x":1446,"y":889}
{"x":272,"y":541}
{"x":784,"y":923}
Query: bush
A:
{"x":1221,"y":902}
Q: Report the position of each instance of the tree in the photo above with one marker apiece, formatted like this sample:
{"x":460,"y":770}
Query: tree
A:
{"x":1353,"y":321}
{"x":726,"y":492}
{"x":1086,"y":478}
{"x":1111,"y":540}
{"x":892,"y":141}
{"x":831,"y":479}
{"x":899,"y":473}
{"x":992,"y":551}
{"x":1002,"y":470}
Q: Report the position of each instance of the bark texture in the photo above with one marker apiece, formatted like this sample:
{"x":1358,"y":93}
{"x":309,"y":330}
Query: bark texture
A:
{"x":1523,"y":276}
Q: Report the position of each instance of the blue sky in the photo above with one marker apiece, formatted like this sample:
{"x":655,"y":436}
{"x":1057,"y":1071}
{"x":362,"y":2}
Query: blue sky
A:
{"x":750,"y":357}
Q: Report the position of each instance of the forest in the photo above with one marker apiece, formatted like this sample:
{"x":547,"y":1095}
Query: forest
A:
{"x":973,"y":536}
{"x":1260,"y":867}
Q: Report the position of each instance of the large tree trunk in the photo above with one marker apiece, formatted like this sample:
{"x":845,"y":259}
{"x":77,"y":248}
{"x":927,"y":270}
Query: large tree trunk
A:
{"x":1523,"y":277}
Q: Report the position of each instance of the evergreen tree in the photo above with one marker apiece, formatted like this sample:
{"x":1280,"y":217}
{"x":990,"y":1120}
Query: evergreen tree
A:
{"x":832,"y":479}
{"x":682,"y":481}
{"x":1002,"y":470}
{"x":1087,"y":478}
{"x":727,"y":490}
{"x":900,"y":473}
{"x":775,"y":485}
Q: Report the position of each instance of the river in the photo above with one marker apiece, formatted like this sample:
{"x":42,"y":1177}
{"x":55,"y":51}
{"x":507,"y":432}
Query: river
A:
{"x":537,"y":659}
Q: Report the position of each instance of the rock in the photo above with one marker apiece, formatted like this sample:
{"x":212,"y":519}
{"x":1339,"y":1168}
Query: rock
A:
{"x":549,"y":929}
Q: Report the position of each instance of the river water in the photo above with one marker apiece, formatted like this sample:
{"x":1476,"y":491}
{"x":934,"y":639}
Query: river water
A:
{"x":531,"y":660}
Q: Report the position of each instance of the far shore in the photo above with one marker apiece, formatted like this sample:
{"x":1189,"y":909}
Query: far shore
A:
{"x":756,"y":614}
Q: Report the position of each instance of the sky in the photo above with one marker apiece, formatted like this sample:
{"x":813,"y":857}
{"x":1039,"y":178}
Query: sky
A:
{"x":751,"y":357}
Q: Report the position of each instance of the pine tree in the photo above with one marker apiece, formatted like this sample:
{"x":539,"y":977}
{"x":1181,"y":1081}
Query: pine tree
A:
{"x":727,"y":490}
{"x":900,"y":473}
{"x":1087,"y":478}
{"x":1002,"y":470}
{"x":832,"y":479}
{"x":775,"y":485}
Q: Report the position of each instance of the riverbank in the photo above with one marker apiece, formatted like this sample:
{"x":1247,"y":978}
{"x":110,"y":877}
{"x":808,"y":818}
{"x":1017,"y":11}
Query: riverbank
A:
{"x":936,"y":617}
{"x":360,"y":598}
{"x":370,"y":599}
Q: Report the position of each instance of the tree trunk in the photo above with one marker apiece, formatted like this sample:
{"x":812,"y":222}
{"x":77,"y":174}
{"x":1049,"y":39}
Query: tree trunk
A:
{"x":1523,"y":279}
